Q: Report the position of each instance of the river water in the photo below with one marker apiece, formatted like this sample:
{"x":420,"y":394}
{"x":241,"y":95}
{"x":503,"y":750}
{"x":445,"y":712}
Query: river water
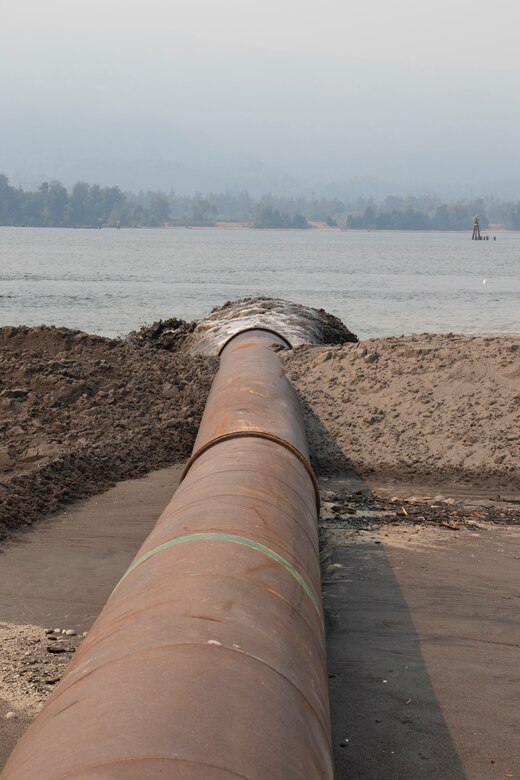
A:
{"x":379,"y":283}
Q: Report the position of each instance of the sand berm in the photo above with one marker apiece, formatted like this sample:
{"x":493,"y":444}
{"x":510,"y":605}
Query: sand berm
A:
{"x":80,"y":412}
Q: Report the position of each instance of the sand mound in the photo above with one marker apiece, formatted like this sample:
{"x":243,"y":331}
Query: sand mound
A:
{"x":79,"y":412}
{"x":425,"y":407}
{"x":46,"y":339}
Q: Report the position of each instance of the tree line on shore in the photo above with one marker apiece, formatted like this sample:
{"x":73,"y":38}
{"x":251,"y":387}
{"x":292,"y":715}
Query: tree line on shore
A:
{"x":90,"y":205}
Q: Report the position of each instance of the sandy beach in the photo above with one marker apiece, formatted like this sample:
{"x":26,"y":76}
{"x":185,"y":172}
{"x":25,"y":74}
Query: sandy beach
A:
{"x":81,"y":412}
{"x":416,"y":444}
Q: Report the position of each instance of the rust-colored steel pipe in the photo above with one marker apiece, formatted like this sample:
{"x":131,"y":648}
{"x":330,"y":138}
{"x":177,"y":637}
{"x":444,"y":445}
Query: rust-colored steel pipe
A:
{"x":208,"y":661}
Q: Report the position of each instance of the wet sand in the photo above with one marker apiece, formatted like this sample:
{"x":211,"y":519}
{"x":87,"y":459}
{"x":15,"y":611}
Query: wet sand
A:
{"x":423,"y":653}
{"x":63,"y":570}
{"x":60,"y":573}
{"x":423,"y":628}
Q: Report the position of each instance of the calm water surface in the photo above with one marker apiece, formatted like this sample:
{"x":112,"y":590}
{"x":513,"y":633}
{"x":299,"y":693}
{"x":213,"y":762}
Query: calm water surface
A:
{"x":378,"y":283}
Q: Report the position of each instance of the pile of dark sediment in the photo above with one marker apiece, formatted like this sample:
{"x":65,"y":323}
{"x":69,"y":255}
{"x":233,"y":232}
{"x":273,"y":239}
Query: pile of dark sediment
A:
{"x":167,"y":334}
{"x":80,"y":412}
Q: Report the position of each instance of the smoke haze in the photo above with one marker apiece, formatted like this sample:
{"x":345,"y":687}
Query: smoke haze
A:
{"x":277,"y":97}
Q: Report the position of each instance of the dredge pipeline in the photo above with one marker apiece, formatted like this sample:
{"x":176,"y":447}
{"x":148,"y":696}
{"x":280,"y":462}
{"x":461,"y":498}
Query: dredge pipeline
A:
{"x":208,"y":661}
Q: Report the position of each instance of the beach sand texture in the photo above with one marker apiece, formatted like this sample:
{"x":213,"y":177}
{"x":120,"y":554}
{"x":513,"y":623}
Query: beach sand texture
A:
{"x":426,"y":407}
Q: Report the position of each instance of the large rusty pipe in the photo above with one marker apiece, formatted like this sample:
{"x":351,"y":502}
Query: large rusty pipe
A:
{"x":208,"y":661}
{"x":253,"y":398}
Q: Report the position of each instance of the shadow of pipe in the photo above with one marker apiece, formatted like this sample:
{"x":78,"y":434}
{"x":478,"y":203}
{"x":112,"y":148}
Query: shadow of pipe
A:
{"x":387,"y":721}
{"x":327,"y":459}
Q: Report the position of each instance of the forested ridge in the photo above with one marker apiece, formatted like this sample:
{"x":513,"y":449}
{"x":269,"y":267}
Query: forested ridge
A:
{"x":91,"y":205}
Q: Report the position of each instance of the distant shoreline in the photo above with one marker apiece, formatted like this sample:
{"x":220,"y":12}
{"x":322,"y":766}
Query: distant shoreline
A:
{"x":313,"y":226}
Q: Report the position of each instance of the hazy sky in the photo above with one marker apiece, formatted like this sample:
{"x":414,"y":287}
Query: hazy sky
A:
{"x":269,"y":95}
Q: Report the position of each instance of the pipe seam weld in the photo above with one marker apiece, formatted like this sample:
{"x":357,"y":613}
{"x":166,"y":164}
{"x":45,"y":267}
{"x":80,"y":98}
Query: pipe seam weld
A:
{"x":223,"y":537}
{"x":258,"y":435}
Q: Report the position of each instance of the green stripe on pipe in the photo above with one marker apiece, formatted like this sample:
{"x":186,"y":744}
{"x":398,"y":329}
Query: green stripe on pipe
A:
{"x":236,"y":540}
